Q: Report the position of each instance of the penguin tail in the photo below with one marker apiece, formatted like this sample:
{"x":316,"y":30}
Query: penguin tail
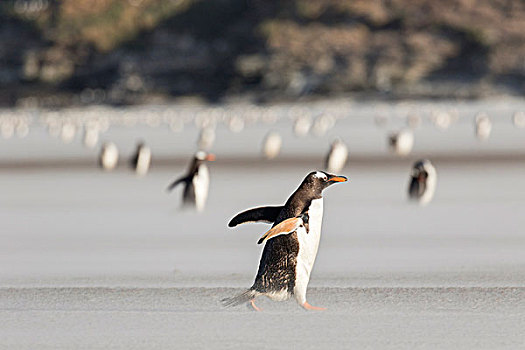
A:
{"x":242,"y":298}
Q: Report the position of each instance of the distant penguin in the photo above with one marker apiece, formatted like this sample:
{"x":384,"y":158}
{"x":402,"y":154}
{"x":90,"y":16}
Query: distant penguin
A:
{"x":7,"y":129}
{"x":141,"y":160}
{"x":302,"y":126}
{"x":423,"y":180}
{"x":518,"y":119}
{"x":91,"y":135}
{"x":401,"y":142}
{"x":108,"y":158}
{"x":272,"y":145}
{"x":483,"y":126}
{"x":442,"y":120}
{"x":67,"y":134}
{"x":196,"y":182}
{"x":22,"y":129}
{"x":206,"y":138}
{"x":336,"y":157}
{"x":290,"y":245}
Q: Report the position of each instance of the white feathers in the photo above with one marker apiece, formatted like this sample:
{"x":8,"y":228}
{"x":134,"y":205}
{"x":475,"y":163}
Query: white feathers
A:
{"x":321,"y":175}
{"x":201,"y":184}
{"x":143,"y":160}
{"x":308,"y":246}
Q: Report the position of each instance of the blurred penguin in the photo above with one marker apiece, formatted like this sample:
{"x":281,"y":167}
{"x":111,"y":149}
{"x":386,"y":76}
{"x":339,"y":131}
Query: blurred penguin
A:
{"x":206,"y":138}
{"x":91,"y":136}
{"x":518,"y":119}
{"x":401,"y":142}
{"x":483,"y":126}
{"x":196,"y":182}
{"x":141,"y":160}
{"x":422,"y":184}
{"x":302,"y":126}
{"x":272,"y":145}
{"x":336,"y":157}
{"x":67,"y":134}
{"x":108,"y":158}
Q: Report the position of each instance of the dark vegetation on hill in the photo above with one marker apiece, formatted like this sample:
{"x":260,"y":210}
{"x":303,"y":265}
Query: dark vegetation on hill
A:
{"x":132,"y":51}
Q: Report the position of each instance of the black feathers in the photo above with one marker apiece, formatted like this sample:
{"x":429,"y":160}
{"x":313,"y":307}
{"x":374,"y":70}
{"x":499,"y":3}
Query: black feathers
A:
{"x":262,"y":214}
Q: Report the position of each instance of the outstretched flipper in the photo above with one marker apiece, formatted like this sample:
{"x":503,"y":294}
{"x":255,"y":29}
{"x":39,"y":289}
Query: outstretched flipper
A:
{"x":261,"y":214}
{"x":283,"y":228}
{"x":176,"y":182}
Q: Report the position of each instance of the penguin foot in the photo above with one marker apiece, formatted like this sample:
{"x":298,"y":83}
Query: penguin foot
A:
{"x":255,"y":307}
{"x":307,"y":306}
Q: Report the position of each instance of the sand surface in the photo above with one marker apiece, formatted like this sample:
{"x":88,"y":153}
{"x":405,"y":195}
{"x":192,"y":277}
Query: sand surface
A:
{"x":108,"y":261}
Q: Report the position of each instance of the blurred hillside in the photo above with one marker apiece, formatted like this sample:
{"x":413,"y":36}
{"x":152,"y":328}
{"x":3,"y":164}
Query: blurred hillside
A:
{"x":131,"y":51}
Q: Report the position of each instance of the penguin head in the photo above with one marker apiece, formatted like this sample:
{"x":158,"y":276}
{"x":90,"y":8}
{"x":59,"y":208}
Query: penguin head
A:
{"x":422,"y":169}
{"x":317,"y":181}
{"x":202,"y":156}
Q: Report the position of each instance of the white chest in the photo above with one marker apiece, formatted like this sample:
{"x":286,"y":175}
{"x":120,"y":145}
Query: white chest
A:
{"x":309,"y":242}
{"x":308,"y":245}
{"x":143,"y":161}
{"x":201,"y":182}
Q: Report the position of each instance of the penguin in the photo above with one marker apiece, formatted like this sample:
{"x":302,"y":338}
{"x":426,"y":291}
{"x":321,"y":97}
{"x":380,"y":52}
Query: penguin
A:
{"x":108,"y":157}
{"x":206,"y":138}
{"x":91,"y":136}
{"x":290,"y":246}
{"x":483,"y":126}
{"x":196,"y":181}
{"x":401,"y":142}
{"x":422,"y":183}
{"x":272,"y":145}
{"x":67,"y":134}
{"x":518,"y":119}
{"x":336,"y":157}
{"x":141,"y":160}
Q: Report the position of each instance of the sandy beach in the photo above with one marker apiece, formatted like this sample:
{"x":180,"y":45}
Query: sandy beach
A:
{"x":107,"y":260}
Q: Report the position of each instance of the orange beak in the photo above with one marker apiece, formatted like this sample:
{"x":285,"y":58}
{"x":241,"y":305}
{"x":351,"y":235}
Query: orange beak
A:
{"x":210,"y":157}
{"x":338,"y":179}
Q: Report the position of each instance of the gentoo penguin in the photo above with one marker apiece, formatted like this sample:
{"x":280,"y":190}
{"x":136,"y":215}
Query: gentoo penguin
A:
{"x":422,"y":182}
{"x":68,"y":132}
{"x":196,"y":182}
{"x":302,"y":126}
{"x":206,"y":138}
{"x":291,"y":245}
{"x":483,"y":126}
{"x":141,"y":160}
{"x":272,"y":145}
{"x":336,"y":157}
{"x":91,"y":136}
{"x":518,"y":119}
{"x":401,"y":142}
{"x":108,"y":158}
